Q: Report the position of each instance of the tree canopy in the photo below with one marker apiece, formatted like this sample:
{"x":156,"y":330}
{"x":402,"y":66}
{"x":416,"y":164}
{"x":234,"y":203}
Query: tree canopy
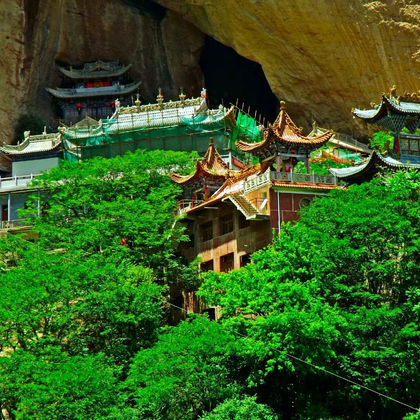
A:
{"x":84,"y":331}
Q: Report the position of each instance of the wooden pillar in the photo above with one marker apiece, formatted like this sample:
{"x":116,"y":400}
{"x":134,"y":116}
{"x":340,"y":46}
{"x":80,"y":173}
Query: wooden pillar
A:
{"x":278,"y":163}
{"x":9,"y":205}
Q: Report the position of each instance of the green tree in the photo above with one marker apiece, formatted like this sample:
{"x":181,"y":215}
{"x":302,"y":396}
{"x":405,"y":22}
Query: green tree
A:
{"x":123,"y":205}
{"x":241,"y":408}
{"x":53,"y":385}
{"x":189,"y":370}
{"x":83,"y":305}
{"x":338,"y":289}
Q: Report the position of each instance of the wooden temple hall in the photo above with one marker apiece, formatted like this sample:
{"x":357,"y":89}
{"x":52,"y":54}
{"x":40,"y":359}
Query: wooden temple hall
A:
{"x":91,"y":90}
{"x":231,"y":214}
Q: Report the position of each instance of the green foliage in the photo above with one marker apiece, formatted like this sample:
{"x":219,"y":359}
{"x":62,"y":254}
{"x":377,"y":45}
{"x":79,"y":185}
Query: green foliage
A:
{"x":53,"y":385}
{"x":338,"y":289}
{"x":241,"y":408}
{"x":189,"y":371}
{"x":82,"y":309}
{"x":28,"y":122}
{"x":90,"y":292}
{"x":121,"y":207}
{"x":83,"y":305}
{"x":320,"y":168}
{"x":382,"y":141}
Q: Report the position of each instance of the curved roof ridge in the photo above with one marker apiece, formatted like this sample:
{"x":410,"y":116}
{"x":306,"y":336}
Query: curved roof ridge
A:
{"x":210,"y":166}
{"x":213,"y":161}
{"x":285,"y":131}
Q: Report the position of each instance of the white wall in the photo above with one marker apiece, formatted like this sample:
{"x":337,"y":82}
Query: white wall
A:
{"x":35,"y":166}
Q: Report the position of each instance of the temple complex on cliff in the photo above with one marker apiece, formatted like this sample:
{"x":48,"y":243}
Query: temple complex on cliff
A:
{"x":92,"y":89}
{"x":231,"y":214}
{"x":185,"y":125}
{"x":400,"y":115}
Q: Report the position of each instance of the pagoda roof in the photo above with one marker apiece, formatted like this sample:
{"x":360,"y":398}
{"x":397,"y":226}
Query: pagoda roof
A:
{"x":370,"y":167}
{"x":211,"y":167}
{"x":393,"y":113}
{"x":283,"y":132}
{"x":83,"y":92}
{"x":35,"y":144}
{"x":96,"y":70}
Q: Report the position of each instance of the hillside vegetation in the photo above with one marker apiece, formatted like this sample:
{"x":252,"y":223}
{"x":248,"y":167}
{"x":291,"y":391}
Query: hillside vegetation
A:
{"x":84,"y":317}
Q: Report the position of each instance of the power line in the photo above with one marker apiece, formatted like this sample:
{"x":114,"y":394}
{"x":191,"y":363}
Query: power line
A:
{"x":323,"y":369}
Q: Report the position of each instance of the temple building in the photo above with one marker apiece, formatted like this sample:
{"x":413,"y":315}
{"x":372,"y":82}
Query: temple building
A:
{"x":25,"y":161}
{"x":184,"y":125}
{"x":232,"y":214}
{"x":400,"y":115}
{"x":92,"y":89}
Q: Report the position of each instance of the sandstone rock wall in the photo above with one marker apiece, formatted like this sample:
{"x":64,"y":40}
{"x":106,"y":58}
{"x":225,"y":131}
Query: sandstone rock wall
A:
{"x":322,"y":56}
{"x":37,"y":34}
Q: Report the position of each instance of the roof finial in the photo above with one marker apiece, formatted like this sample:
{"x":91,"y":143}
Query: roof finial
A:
{"x":282,"y":106}
{"x":392,"y":91}
{"x":211,"y":141}
{"x":182,"y":97}
{"x":159,"y":98}
{"x":137,"y":102}
{"x":204,"y":93}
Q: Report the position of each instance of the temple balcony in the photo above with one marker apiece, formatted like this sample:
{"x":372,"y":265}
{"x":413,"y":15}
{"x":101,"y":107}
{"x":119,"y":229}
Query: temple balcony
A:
{"x":16,"y":182}
{"x":287,"y":177}
{"x":13,"y":225}
{"x":186,"y":204}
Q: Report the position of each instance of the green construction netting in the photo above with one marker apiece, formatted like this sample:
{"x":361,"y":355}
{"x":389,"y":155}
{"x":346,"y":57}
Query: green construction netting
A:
{"x":246,"y":129}
{"x":112,"y":137}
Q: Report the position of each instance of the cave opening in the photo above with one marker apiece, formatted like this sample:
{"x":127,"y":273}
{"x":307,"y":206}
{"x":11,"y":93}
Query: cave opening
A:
{"x":230,"y":77}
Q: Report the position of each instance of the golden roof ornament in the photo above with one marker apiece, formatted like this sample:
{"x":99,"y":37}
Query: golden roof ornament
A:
{"x":159,"y":99}
{"x":137,"y":102}
{"x":393,"y":91}
{"x":409,"y":97}
{"x":182,"y":97}
{"x":282,"y":105}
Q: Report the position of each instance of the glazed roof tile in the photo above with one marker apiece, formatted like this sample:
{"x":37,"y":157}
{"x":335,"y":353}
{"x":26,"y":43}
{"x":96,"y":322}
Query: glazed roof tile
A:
{"x":401,"y":107}
{"x":284,"y":131}
{"x":374,"y":158}
{"x":211,"y":166}
{"x":33,"y":144}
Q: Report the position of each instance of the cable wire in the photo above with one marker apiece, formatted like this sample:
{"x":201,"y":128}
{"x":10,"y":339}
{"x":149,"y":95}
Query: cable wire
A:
{"x":323,"y":370}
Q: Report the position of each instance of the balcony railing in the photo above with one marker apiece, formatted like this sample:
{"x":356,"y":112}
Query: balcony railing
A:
{"x":16,"y":181}
{"x":12,"y":224}
{"x":306,"y":178}
{"x":186,"y":204}
{"x":265,"y":178}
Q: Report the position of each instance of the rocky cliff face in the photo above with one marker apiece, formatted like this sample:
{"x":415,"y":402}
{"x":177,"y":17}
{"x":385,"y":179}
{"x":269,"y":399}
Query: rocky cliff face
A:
{"x":37,"y":34}
{"x":323,"y":56}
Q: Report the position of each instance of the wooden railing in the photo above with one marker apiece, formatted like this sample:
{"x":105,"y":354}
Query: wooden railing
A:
{"x":347,"y":140}
{"x":186,"y":204}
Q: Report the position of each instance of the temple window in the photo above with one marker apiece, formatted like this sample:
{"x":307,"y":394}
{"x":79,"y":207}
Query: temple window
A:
{"x":304,"y":202}
{"x":226,"y":224}
{"x":245,"y":259}
{"x":206,"y":230}
{"x":207,"y":266}
{"x":226,"y":263}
